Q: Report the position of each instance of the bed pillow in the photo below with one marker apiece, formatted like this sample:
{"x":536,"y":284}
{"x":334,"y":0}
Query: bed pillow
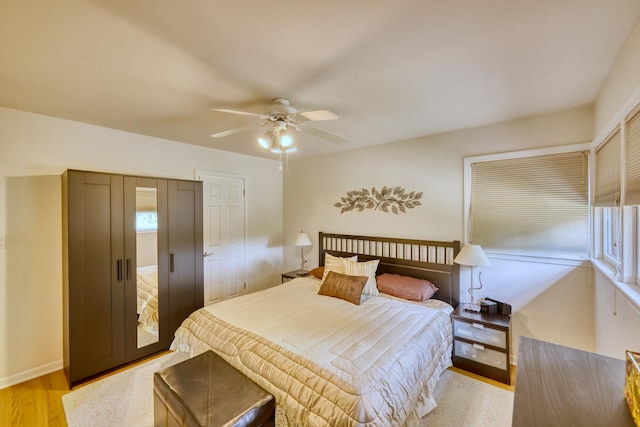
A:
{"x":317,"y":272}
{"x":406,"y":287}
{"x":348,"y":288}
{"x":366,"y":268}
{"x":334,"y":263}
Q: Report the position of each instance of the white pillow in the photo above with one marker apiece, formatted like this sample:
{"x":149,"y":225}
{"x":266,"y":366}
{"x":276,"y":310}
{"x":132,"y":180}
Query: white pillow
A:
{"x":367,"y":268}
{"x":334,"y":263}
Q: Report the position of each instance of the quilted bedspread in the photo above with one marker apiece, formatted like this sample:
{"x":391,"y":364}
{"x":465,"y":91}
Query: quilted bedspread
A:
{"x":326,"y":361}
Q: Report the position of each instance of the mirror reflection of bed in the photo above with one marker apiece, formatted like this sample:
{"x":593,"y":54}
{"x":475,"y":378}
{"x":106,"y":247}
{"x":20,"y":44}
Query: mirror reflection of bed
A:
{"x":147,"y":265}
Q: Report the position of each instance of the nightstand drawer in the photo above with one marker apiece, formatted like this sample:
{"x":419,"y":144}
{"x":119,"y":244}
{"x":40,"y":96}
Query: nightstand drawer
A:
{"x":478,"y":332}
{"x":478,"y":353}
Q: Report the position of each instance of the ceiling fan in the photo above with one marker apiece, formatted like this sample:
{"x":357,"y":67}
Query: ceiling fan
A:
{"x":282,"y":117}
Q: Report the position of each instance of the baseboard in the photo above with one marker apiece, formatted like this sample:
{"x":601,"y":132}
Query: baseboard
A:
{"x":30,"y":374}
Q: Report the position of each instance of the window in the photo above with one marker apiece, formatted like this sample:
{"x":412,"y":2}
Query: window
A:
{"x":632,"y":186}
{"x":536,"y":205}
{"x":607,"y":197}
{"x":611,"y":235}
{"x":632,"y":159}
{"x":616,"y":213}
{"x":146,"y":221}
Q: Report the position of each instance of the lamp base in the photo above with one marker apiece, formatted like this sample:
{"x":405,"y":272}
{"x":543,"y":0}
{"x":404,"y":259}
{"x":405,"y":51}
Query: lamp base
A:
{"x":474,"y":308}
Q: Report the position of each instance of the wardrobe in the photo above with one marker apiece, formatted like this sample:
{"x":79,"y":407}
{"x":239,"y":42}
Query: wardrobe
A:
{"x":132,"y":267}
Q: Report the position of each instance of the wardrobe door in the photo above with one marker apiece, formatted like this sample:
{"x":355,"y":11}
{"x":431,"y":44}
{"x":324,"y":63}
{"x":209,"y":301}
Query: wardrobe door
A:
{"x":146,"y":266}
{"x":186,"y":291}
{"x":93,"y":273}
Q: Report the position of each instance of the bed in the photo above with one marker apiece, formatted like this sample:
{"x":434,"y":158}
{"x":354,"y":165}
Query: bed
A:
{"x":331,"y":362}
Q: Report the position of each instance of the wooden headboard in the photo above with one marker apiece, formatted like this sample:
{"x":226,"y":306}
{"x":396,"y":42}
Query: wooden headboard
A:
{"x":424,"y":259}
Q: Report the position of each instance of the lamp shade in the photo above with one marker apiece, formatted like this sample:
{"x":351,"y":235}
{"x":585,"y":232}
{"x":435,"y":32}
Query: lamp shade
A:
{"x":472,"y":256}
{"x":302,"y":239}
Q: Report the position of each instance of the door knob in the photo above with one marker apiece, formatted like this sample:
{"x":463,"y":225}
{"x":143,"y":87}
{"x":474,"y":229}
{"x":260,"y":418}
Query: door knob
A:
{"x":206,"y":254}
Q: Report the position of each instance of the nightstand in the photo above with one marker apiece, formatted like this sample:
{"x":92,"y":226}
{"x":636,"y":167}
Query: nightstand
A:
{"x":481,"y":344}
{"x":293,"y":274}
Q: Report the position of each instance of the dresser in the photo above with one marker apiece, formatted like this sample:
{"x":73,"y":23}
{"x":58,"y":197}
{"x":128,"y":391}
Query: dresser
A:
{"x":562,"y":386}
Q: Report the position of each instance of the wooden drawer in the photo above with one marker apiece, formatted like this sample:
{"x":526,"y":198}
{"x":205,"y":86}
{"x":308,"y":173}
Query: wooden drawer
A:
{"x":478,"y":332}
{"x":480,"y":354}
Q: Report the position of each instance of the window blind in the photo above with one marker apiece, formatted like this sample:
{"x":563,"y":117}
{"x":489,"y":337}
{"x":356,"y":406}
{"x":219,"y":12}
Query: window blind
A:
{"x":532,"y":204}
{"x":632,"y":156}
{"x":607,"y":192}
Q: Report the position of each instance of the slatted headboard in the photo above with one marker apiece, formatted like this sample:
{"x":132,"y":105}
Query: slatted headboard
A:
{"x":424,"y":259}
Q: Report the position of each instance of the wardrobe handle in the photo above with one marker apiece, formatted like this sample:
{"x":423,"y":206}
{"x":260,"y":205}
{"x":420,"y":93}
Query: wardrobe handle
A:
{"x":128,"y":268}
{"x":170,"y":263}
{"x":119,"y":270}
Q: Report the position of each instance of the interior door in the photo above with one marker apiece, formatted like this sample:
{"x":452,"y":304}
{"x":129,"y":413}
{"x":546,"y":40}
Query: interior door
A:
{"x":224,"y":237}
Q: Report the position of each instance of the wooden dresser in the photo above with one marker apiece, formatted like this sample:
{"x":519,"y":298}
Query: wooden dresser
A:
{"x":562,"y":386}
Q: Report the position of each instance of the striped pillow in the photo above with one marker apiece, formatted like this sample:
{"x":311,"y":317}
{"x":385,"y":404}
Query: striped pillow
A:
{"x":367,"y":268}
{"x":334,"y":263}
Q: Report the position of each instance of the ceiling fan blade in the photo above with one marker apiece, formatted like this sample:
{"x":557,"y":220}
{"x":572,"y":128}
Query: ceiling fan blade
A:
{"x":234,"y":131}
{"x":331,"y":137}
{"x":315,"y":115}
{"x":244,"y":113}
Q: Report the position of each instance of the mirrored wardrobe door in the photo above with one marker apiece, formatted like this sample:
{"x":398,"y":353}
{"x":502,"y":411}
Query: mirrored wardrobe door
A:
{"x":146,"y":266}
{"x":145,"y":224}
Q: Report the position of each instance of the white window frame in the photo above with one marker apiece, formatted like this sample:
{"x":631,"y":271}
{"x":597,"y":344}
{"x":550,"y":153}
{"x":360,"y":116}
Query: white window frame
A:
{"x":611,"y":235}
{"x":467,"y":183}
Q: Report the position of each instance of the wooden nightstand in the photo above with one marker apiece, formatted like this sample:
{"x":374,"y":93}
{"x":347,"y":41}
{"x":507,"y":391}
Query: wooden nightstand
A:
{"x":481,"y":344}
{"x":293,"y":274}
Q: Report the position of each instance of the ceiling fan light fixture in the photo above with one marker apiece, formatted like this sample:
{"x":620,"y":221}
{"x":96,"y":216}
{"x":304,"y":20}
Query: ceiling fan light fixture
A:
{"x":266,"y":140}
{"x":286,"y":140}
{"x":282,"y":117}
{"x":280,"y":126}
{"x":280,"y":149}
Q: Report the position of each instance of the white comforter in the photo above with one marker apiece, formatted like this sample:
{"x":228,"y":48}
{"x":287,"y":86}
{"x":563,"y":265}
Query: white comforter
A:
{"x":326,"y":361}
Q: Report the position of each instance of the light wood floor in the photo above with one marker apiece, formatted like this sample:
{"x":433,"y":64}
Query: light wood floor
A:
{"x":38,"y":402}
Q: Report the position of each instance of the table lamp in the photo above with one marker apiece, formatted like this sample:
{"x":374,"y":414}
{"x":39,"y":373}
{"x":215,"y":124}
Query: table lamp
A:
{"x":302,"y":240}
{"x":472,"y":256}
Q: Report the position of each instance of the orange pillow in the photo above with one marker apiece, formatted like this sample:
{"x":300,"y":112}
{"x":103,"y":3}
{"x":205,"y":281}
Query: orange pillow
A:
{"x":348,"y":288}
{"x":317,"y":272}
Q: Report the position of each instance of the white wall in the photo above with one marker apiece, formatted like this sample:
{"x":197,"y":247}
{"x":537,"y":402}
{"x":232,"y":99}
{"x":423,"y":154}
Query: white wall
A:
{"x":552,"y":302}
{"x":617,"y":319}
{"x":621,"y":82}
{"x":34,"y":151}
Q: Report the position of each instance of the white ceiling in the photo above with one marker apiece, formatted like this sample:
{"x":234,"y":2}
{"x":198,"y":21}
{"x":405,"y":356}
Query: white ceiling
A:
{"x":391,"y":70}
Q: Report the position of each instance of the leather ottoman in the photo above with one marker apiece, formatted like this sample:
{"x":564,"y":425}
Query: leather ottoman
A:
{"x":207,"y":391}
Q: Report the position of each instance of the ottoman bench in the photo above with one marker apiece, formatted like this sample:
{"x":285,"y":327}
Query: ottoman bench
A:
{"x":207,"y":391}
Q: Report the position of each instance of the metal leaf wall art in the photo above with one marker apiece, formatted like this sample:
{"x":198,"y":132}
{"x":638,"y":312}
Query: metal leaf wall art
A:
{"x":388,"y":199}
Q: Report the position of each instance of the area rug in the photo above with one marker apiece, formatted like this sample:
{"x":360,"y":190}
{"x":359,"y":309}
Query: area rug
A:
{"x":122,"y":399}
{"x":126,"y":399}
{"x":464,"y":401}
